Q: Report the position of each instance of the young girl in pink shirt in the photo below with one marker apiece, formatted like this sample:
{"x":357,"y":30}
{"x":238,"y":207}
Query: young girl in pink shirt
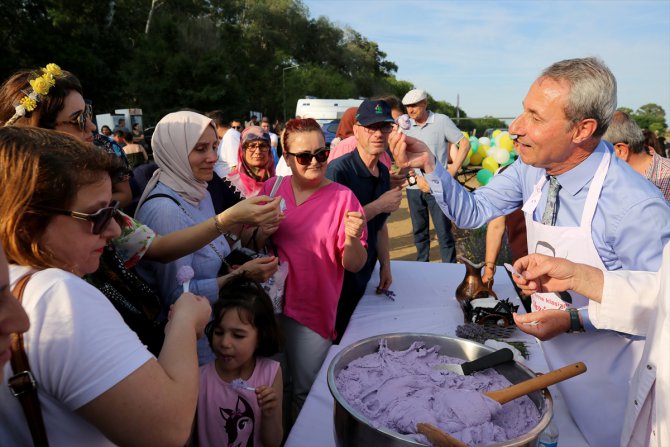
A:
{"x":240,"y":397}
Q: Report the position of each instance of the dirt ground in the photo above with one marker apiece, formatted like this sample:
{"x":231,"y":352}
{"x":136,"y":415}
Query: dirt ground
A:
{"x":470,"y":243}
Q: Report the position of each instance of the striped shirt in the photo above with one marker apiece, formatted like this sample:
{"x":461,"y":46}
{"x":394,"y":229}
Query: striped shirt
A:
{"x":659,"y":174}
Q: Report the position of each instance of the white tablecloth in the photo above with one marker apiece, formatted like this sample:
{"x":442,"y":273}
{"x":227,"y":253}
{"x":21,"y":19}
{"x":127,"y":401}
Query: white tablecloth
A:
{"x":424,"y":302}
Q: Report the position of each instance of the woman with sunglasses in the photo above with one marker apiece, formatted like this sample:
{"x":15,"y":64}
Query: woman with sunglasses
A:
{"x":98,"y":384}
{"x":185,"y":149}
{"x":62,"y":107}
{"x":322,"y":235}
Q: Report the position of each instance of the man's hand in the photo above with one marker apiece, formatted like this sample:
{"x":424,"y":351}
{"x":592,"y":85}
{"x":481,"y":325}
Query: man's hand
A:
{"x":540,"y":273}
{"x":544,"y":324}
{"x":409,"y":152}
{"x":385,"y":277}
{"x":390,"y":200}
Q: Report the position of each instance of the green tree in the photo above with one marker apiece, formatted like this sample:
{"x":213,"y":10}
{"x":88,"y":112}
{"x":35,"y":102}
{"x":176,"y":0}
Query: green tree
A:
{"x":650,"y":116}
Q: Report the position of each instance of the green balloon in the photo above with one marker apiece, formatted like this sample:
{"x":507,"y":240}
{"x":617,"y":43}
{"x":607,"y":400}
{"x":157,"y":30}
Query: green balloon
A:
{"x":483,"y":176}
{"x":474,"y":144}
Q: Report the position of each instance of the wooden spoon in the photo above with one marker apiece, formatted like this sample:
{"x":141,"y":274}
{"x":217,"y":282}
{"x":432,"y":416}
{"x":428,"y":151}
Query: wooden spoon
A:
{"x":437,"y":436}
{"x":536,"y":383}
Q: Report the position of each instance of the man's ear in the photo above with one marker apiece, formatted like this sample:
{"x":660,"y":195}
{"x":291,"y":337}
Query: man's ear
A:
{"x":622,"y":151}
{"x":584,"y":130}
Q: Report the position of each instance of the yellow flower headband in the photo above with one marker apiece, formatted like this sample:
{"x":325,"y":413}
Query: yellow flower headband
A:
{"x":39,"y":88}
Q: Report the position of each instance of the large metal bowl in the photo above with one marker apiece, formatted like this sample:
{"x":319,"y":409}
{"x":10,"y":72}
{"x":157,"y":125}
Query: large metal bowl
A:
{"x":352,"y":429}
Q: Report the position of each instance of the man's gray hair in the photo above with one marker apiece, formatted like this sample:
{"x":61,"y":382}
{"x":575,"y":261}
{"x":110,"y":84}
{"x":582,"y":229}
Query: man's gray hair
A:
{"x":592,"y":90}
{"x":623,"y":129}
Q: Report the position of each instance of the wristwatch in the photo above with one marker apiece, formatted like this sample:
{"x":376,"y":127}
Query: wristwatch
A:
{"x":575,"y":324}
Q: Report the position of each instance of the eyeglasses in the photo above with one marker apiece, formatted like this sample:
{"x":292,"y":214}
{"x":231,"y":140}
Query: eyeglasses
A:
{"x":373,"y":128}
{"x":81,"y":119}
{"x":100,"y":219}
{"x":257,"y":146}
{"x":305,"y":158}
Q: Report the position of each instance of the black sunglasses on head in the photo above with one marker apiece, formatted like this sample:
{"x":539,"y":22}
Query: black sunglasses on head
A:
{"x":305,"y":158}
{"x":100,"y":219}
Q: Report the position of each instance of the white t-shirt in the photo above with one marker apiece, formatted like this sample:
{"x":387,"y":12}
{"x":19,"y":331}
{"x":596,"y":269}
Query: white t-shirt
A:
{"x":228,"y":148}
{"x":78,"y":347}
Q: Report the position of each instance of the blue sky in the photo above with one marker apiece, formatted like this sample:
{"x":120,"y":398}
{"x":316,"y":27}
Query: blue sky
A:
{"x":489,"y":52}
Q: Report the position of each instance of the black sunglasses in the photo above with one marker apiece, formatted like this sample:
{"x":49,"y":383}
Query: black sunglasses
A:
{"x":305,"y":158}
{"x":81,"y":119}
{"x":100,"y":219}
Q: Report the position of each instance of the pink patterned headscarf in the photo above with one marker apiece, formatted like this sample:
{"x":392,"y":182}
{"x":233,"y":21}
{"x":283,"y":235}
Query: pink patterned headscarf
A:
{"x":243,"y":176}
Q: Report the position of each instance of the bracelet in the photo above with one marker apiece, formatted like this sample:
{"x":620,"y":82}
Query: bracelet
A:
{"x":219,"y":225}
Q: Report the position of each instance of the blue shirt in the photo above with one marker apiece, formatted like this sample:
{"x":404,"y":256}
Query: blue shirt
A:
{"x":164,"y":216}
{"x":630,"y":227}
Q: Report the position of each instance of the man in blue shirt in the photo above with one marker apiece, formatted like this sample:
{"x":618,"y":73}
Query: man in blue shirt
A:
{"x":581,"y":203}
{"x":438,"y":132}
{"x":363,"y":173}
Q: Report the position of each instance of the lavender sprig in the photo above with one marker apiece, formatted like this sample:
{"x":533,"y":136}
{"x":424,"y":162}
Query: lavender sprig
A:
{"x":390,"y":294}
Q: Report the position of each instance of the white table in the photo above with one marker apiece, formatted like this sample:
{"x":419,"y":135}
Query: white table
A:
{"x":424,"y":302}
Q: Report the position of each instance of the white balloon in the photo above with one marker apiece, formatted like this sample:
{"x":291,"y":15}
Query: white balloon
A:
{"x":485,"y":141}
{"x":501,"y":155}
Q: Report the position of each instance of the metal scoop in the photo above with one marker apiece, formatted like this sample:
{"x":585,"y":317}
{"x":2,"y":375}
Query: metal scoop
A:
{"x":488,"y":361}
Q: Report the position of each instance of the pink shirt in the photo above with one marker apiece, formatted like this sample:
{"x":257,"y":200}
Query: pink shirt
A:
{"x":349,"y":145}
{"x":311,"y":239}
{"x":221,"y":408}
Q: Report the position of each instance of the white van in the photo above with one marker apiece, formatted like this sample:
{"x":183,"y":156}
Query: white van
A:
{"x":324,"y":110}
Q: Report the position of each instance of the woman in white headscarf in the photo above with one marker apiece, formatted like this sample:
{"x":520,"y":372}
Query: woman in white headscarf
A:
{"x":185,"y":149}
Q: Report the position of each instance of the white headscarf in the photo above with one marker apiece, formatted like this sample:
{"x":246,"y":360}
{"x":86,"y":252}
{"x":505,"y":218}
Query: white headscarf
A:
{"x":173,"y":140}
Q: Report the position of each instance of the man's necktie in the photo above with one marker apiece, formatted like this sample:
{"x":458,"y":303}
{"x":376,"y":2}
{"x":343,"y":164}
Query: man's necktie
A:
{"x":549,"y":216}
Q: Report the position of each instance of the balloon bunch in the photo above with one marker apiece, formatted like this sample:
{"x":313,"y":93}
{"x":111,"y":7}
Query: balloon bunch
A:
{"x":490,"y":153}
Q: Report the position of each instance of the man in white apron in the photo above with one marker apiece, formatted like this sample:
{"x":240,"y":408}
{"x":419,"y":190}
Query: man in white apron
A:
{"x":591,"y":210}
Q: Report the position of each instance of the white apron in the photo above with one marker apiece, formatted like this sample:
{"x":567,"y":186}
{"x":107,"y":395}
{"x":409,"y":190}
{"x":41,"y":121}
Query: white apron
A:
{"x":597,"y":398}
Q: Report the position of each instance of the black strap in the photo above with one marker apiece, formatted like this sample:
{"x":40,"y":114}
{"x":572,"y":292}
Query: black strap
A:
{"x":23,"y":384}
{"x":161,"y":195}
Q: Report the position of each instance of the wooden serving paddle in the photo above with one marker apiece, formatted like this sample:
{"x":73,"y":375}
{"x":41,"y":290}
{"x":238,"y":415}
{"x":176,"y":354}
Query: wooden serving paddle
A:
{"x":536,"y":383}
{"x":438,"y":437}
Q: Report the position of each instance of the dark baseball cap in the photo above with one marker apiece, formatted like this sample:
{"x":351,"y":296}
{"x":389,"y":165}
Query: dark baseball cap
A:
{"x":373,"y":112}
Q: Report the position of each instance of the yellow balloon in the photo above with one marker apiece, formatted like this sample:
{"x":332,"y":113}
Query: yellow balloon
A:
{"x":469,"y":153}
{"x":490,"y":164}
{"x":506,"y":142}
{"x":465,"y":134}
{"x":496,"y":133}
{"x":476,"y":159}
{"x":484,"y":151}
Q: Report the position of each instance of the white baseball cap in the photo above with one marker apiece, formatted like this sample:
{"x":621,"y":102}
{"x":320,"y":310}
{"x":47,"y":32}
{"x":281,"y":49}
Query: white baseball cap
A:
{"x":414,"y":96}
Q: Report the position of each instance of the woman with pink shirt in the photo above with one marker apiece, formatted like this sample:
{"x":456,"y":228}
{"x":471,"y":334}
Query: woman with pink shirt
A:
{"x":323,"y":234}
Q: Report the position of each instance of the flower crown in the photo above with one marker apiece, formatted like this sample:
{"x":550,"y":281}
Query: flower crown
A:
{"x":39,"y":88}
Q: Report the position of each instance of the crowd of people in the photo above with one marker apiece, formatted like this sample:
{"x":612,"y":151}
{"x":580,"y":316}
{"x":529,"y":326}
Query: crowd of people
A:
{"x":193,"y":298}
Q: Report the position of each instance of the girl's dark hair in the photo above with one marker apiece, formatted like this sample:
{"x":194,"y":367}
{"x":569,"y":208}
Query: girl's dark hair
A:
{"x":253,"y":304}
{"x":298,"y":125}
{"x":44,"y":116}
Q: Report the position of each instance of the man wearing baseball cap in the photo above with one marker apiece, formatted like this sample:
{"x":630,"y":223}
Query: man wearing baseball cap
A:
{"x":437,"y":131}
{"x":363,"y":173}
